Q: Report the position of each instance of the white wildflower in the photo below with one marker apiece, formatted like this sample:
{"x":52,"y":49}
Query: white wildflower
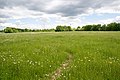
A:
{"x":18,"y":61}
{"x":36,"y":62}
{"x":89,"y":60}
{"x":64,"y":76}
{"x":27,"y":60}
{"x":14,"y":63}
{"x":3,"y":59}
{"x":81,"y":60}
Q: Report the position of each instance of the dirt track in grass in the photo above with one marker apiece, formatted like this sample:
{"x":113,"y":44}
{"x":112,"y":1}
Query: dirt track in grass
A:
{"x":57,"y":73}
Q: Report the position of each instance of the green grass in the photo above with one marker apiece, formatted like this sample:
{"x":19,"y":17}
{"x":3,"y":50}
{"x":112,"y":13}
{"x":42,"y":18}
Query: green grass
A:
{"x":34,"y":56}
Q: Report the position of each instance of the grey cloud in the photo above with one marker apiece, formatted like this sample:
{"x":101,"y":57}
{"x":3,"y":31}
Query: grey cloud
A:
{"x":3,"y":16}
{"x":82,"y":6}
{"x":3,"y":20}
{"x":3,"y":3}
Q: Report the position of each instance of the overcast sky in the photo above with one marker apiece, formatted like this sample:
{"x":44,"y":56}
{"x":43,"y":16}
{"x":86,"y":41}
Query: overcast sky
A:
{"x":40,"y":14}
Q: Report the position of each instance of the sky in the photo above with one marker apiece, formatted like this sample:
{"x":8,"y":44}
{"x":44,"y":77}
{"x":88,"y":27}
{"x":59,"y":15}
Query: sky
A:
{"x":47,"y":14}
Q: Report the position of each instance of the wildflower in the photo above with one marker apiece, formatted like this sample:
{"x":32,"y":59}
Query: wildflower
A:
{"x":109,"y":57}
{"x":27,"y":60}
{"x":36,"y":62}
{"x":21,"y":60}
{"x":33,"y":53}
{"x":81,"y":60}
{"x":14,"y":63}
{"x":18,"y":61}
{"x":30,"y":62}
{"x":85,"y":57}
{"x":3,"y":59}
{"x":47,"y":60}
{"x":39,"y":63}
{"x":110,"y":62}
{"x":36,"y":75}
{"x":64,"y":76}
{"x":89,"y":60}
{"x":55,"y":73}
{"x":72,"y":66}
{"x":46,"y":74}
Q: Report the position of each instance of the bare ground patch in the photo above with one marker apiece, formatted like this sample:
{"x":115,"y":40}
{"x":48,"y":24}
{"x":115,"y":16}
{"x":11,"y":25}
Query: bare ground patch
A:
{"x":56,"y":74}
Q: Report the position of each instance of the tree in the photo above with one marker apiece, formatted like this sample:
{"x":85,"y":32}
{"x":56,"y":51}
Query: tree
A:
{"x":103,"y":27}
{"x":8,"y":30}
{"x":78,"y":28}
{"x":58,"y":28}
{"x":27,"y":30}
{"x":69,"y":28}
{"x":118,"y":25}
{"x":87,"y":27}
{"x":15,"y":30}
{"x":63,"y":28}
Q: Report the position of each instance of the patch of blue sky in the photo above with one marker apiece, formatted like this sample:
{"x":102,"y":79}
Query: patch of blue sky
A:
{"x":97,"y":17}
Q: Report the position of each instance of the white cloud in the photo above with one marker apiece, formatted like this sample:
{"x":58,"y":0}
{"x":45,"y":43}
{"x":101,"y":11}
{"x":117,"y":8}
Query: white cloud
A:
{"x":108,"y":10}
{"x":3,"y":20}
{"x":55,"y":12}
{"x":20,"y":12}
{"x":53,"y":4}
{"x":106,"y":21}
{"x":109,"y":7}
{"x":116,"y":19}
{"x":7,"y":25}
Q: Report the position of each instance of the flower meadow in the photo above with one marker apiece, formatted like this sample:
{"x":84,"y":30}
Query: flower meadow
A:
{"x":36,"y":56}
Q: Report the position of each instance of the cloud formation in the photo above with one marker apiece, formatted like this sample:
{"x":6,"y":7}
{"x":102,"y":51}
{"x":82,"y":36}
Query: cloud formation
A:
{"x":64,"y":7}
{"x":60,"y":10}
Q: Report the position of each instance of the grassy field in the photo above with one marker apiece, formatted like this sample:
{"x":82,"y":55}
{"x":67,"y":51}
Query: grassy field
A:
{"x":36,"y":56}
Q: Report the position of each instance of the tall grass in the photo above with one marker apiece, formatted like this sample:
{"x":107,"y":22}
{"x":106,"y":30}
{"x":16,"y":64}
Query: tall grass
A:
{"x":34,"y":56}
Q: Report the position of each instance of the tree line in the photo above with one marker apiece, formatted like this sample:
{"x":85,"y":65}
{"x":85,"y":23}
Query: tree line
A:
{"x":15,"y":30}
{"x":95,"y":27}
{"x":106,"y":27}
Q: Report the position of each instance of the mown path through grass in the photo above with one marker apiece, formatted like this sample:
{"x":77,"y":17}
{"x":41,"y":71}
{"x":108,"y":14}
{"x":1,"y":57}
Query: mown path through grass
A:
{"x":57,"y":73}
